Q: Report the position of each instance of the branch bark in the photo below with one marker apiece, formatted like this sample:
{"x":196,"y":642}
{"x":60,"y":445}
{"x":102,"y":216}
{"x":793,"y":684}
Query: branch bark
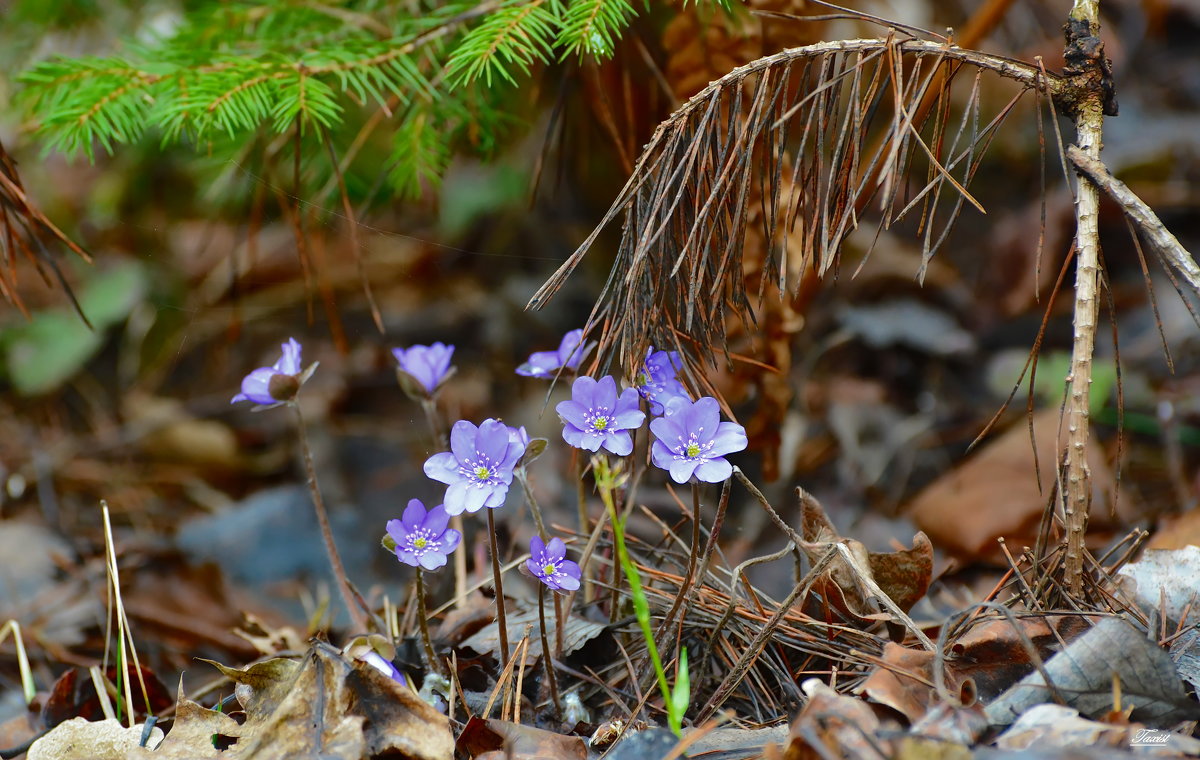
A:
{"x":1147,"y":222}
{"x":1089,"y":72}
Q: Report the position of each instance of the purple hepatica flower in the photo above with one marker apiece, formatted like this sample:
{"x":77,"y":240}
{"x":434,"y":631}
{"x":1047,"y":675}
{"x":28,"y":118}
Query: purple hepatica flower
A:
{"x":278,"y":383}
{"x":549,"y":564}
{"x":657,"y":381}
{"x":377,"y":661}
{"x":422,"y":538}
{"x":428,"y":365}
{"x":479,"y":466}
{"x":692,"y":440}
{"x":570,"y":353}
{"x":595,"y":416}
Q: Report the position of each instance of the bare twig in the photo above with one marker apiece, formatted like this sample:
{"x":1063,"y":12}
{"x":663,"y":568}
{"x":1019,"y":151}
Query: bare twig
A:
{"x":1156,"y":234}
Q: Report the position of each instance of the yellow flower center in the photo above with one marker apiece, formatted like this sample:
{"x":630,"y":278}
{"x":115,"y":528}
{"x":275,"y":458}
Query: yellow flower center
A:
{"x":419,"y":543}
{"x":550,"y":569}
{"x":600,"y":423}
{"x":482,"y":473}
{"x":692,"y":451}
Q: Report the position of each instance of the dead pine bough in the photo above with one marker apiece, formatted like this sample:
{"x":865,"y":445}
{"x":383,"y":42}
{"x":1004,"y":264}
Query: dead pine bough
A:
{"x":828,"y":137}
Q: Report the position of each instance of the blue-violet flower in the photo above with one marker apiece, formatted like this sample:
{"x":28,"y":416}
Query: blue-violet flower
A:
{"x":422,"y":538}
{"x":657,"y":381}
{"x":277,"y":383}
{"x":377,"y":661}
{"x":479,"y":466}
{"x":692,"y":440}
{"x":549,"y":564}
{"x":596,"y":416}
{"x":428,"y":365}
{"x":568,"y":356}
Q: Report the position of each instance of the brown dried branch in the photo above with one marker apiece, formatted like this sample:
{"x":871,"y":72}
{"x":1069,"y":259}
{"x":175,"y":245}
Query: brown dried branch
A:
{"x":1090,"y":75}
{"x":1157,"y":235}
{"x":26,"y":231}
{"x":807,"y":112}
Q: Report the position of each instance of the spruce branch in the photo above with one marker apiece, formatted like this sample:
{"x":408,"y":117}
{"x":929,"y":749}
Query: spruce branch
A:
{"x":517,"y":34}
{"x":593,"y":27}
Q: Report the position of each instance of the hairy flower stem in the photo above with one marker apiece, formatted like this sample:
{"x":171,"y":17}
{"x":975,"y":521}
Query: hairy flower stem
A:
{"x":534,"y":509}
{"x":435,"y":665}
{"x":709,"y":548}
{"x":501,"y":622}
{"x":547,"y":657}
{"x":355,"y":604}
{"x":579,"y":463}
{"x":663,"y":633}
{"x":440,"y":441}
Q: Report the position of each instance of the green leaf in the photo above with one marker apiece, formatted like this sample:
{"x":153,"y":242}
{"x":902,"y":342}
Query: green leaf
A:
{"x":681,"y":695}
{"x":42,"y":354}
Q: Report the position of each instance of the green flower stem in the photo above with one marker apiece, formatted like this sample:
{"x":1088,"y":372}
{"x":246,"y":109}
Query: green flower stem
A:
{"x":355,"y":604}
{"x":547,"y":656}
{"x":435,"y":665}
{"x":605,"y":485}
{"x":501,"y":622}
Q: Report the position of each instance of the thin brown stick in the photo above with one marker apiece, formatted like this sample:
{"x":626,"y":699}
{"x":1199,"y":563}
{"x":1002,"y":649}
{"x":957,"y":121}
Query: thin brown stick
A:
{"x":355,"y":605}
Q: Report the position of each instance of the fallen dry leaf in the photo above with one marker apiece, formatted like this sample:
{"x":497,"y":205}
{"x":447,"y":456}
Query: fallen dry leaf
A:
{"x":1083,"y":675}
{"x":1050,"y":725}
{"x":903,"y":681}
{"x":995,"y":655}
{"x":995,"y":493}
{"x":325,"y":705}
{"x":522,"y":616}
{"x":903,"y":575}
{"x":1167,"y":580}
{"x":832,"y":725}
{"x":481,"y":738}
{"x":80,"y":739}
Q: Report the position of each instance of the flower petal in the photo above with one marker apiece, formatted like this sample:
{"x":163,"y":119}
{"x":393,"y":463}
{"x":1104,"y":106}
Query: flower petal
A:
{"x":473,"y":497}
{"x":414,"y":514}
{"x":667,"y":431}
{"x":556,"y":549}
{"x":436,"y":520}
{"x":583,"y":391}
{"x":289,"y":362}
{"x":681,"y":469}
{"x":450,"y":539}
{"x":714,"y":470}
{"x":432,"y":560}
{"x":443,"y":467}
{"x":703,"y":418}
{"x":462,"y":440}
{"x":619,"y":443}
{"x":730,"y":438}
{"x":537,"y":548}
{"x":407,"y":557}
{"x":456,"y":497}
{"x":605,"y":394}
{"x":396,"y":529}
{"x":256,"y":386}
{"x":492,"y":440}
{"x":661,"y":455}
{"x":572,"y":411}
